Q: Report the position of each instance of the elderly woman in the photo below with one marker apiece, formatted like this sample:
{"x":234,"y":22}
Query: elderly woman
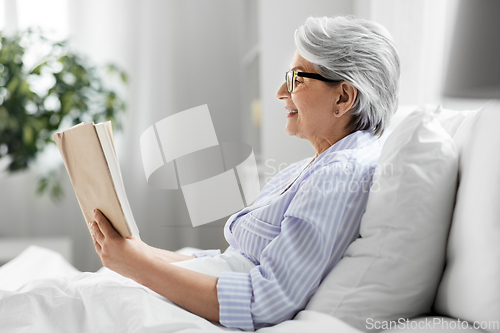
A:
{"x":339,"y":94}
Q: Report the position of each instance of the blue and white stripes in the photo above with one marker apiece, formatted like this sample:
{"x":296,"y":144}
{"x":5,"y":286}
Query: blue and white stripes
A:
{"x":296,"y":237}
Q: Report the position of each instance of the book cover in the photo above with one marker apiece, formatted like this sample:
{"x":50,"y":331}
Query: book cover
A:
{"x":92,"y":179}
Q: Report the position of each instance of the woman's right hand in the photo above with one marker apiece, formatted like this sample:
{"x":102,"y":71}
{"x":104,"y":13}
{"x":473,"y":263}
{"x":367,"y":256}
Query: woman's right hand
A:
{"x":122,"y":255}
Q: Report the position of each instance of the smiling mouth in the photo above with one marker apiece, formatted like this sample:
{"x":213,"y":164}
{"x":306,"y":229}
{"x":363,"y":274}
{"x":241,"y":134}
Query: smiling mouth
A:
{"x":292,"y":111}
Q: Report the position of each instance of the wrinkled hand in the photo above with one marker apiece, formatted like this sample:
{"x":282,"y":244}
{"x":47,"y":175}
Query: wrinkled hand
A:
{"x":134,"y":259}
{"x":122,"y":255}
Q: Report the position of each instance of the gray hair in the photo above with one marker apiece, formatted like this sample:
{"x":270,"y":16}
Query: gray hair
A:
{"x":361,"y":53}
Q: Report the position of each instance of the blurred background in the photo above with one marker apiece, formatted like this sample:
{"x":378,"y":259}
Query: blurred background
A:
{"x":229,"y":54}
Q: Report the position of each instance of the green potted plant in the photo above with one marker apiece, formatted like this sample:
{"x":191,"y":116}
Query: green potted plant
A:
{"x":43,"y":88}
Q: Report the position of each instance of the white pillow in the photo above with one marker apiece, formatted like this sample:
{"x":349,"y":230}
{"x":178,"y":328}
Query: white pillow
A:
{"x":452,"y":120}
{"x":470,"y":289}
{"x":393,"y":269}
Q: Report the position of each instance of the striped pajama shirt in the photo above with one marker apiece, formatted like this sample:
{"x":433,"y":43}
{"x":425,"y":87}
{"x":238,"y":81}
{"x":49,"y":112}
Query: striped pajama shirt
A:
{"x":296,"y":234}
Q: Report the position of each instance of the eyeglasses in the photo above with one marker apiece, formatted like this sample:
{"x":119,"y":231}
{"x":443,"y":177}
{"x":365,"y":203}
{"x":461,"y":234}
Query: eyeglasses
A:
{"x":290,"y":79}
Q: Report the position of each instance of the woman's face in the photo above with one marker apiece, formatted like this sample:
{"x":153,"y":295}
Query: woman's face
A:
{"x":316,"y":103}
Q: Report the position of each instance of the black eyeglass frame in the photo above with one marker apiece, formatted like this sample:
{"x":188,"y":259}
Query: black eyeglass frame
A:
{"x":304,"y":74}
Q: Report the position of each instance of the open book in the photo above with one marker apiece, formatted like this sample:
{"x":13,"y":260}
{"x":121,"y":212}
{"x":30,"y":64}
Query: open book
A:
{"x":89,"y":154}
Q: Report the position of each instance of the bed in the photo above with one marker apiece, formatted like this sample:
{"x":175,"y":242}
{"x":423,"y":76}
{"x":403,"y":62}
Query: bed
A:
{"x":414,"y":199}
{"x":41,"y":292}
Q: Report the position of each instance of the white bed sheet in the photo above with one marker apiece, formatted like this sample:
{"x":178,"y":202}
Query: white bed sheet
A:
{"x":41,"y":292}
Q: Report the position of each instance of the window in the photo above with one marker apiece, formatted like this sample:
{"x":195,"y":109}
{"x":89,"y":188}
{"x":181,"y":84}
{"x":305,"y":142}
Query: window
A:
{"x":50,"y":15}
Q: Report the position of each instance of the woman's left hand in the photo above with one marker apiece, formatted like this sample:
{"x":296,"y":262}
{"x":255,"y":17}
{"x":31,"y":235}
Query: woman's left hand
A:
{"x":122,"y":255}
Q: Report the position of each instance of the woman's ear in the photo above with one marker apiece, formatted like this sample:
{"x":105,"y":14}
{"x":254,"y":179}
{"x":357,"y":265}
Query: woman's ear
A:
{"x":347,"y":97}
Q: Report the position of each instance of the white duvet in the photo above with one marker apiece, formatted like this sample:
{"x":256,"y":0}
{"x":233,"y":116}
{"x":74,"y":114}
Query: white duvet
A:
{"x":41,"y":292}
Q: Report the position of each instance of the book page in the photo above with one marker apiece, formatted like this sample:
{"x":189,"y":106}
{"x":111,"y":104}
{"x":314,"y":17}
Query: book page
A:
{"x":109,"y":128}
{"x":104,"y":133}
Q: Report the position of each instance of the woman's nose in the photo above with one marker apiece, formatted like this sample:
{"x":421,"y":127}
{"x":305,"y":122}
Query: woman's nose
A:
{"x":282,"y":92}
